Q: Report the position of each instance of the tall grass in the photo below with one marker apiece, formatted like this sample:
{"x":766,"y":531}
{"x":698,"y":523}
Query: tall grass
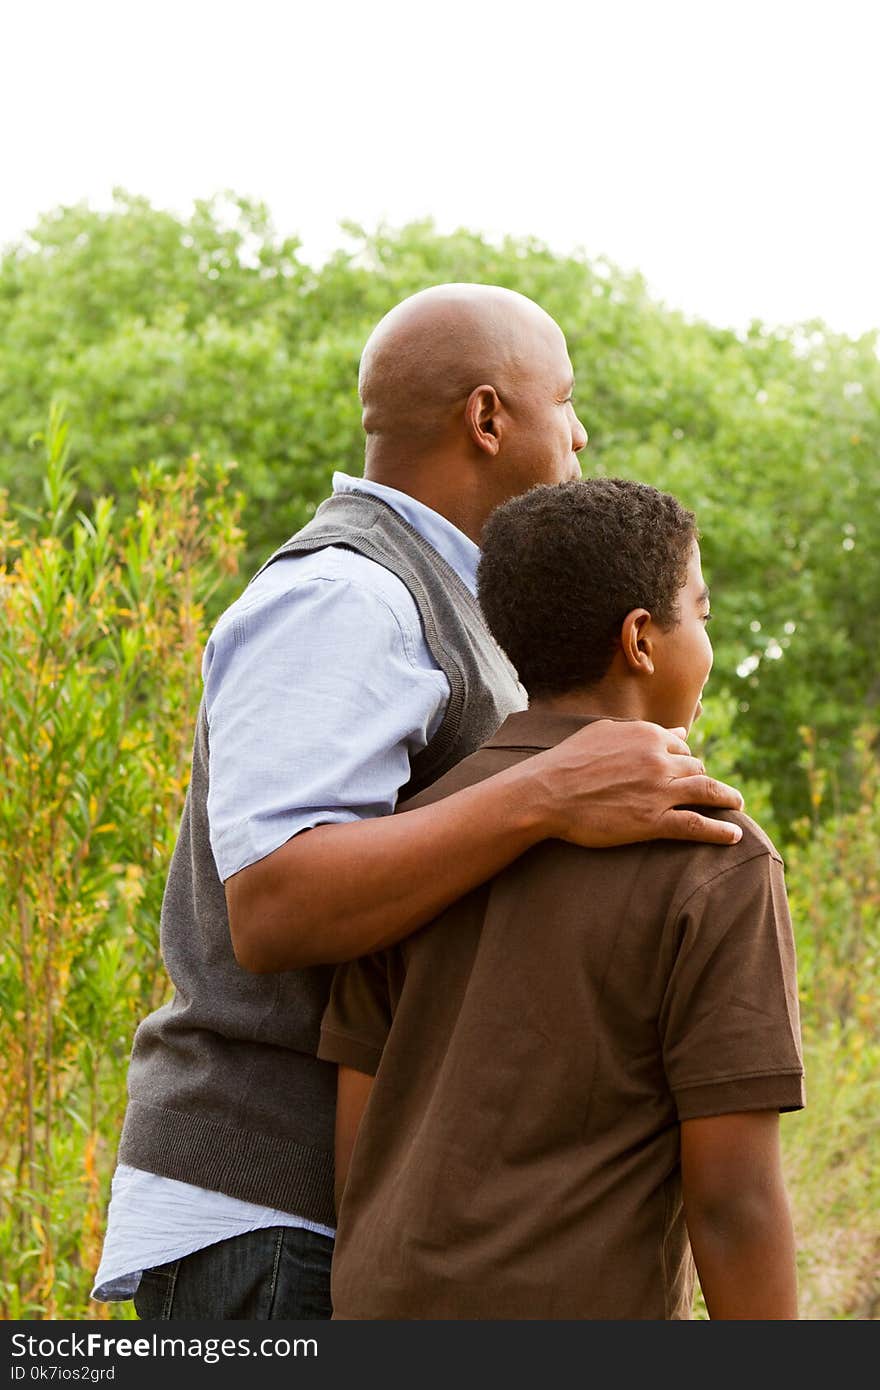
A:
{"x":101,"y":626}
{"x":833,"y":1149}
{"x":102,"y":623}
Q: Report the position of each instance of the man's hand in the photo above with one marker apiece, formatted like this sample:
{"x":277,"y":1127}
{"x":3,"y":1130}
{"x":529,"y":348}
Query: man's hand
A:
{"x":617,"y":782}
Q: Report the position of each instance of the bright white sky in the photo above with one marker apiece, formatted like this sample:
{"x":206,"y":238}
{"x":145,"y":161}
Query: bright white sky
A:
{"x":728,"y":149}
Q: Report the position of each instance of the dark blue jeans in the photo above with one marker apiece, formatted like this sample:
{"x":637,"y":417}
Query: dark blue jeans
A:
{"x":279,"y":1272}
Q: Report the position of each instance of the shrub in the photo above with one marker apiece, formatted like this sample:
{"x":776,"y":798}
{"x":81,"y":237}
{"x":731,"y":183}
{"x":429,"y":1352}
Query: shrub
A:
{"x":100,"y":640}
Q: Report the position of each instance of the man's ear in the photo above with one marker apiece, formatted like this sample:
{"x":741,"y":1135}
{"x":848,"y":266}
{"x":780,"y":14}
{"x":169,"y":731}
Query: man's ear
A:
{"x":483,"y":419}
{"x":637,"y":642}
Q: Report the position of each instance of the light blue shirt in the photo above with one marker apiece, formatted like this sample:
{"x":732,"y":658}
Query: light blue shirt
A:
{"x":319,"y":688}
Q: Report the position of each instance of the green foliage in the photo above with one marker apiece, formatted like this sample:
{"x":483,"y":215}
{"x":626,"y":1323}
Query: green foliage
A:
{"x":834,"y":865}
{"x":209,"y":334}
{"x":722,"y":741}
{"x":833,"y":1150}
{"x":100,"y":639}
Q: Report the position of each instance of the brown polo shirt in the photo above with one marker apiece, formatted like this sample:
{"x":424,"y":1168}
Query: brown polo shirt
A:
{"x":534,"y":1050}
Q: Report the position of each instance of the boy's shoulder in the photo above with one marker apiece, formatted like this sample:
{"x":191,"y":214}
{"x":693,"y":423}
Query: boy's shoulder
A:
{"x":487,"y":760}
{"x":755,"y":840}
{"x":476,"y":767}
{"x":710,"y":859}
{"x":683,"y":869}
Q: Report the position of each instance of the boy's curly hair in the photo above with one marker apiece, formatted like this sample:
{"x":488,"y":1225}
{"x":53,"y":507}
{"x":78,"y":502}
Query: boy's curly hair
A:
{"x":561,"y":566}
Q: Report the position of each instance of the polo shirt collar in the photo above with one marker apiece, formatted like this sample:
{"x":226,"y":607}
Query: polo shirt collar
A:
{"x":537,"y":728}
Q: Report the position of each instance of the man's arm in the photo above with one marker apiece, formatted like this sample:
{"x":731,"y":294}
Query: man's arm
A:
{"x":340,"y":891}
{"x":352,"y":1093}
{"x":738,"y":1216}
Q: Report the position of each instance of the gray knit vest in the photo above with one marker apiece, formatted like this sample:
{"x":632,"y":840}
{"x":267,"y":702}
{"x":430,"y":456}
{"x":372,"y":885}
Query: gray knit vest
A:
{"x":224,"y":1087}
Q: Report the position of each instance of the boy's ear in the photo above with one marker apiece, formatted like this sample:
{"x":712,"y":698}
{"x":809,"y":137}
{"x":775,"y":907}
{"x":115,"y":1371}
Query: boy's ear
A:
{"x":637,"y":642}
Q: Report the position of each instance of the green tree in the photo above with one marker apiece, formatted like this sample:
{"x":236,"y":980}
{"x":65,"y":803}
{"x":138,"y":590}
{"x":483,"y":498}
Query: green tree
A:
{"x":210,"y":334}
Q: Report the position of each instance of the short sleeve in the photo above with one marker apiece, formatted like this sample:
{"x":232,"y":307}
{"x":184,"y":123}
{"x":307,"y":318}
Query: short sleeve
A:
{"x":357,"y":1018}
{"x":729,"y":1025}
{"x":317,"y":700}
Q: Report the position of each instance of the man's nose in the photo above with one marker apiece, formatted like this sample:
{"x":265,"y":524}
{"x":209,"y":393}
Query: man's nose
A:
{"x":579,"y":436}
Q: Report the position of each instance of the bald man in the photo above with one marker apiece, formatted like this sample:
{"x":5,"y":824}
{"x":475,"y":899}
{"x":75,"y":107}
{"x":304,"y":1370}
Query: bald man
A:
{"x":353,"y":671}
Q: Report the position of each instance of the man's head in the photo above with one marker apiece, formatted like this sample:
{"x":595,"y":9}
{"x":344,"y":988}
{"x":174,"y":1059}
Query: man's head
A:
{"x":466,"y":393}
{"x":596,"y":586}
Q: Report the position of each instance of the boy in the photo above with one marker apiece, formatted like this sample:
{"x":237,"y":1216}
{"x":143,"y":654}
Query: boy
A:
{"x":558,"y":1118}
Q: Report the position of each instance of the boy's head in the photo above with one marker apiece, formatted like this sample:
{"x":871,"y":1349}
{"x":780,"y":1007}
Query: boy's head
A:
{"x":597,"y":584}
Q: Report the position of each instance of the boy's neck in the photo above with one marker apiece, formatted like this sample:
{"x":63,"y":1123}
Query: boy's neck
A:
{"x":606,"y":700}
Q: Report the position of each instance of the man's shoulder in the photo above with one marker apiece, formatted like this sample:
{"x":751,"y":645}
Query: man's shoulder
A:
{"x":333,"y":571}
